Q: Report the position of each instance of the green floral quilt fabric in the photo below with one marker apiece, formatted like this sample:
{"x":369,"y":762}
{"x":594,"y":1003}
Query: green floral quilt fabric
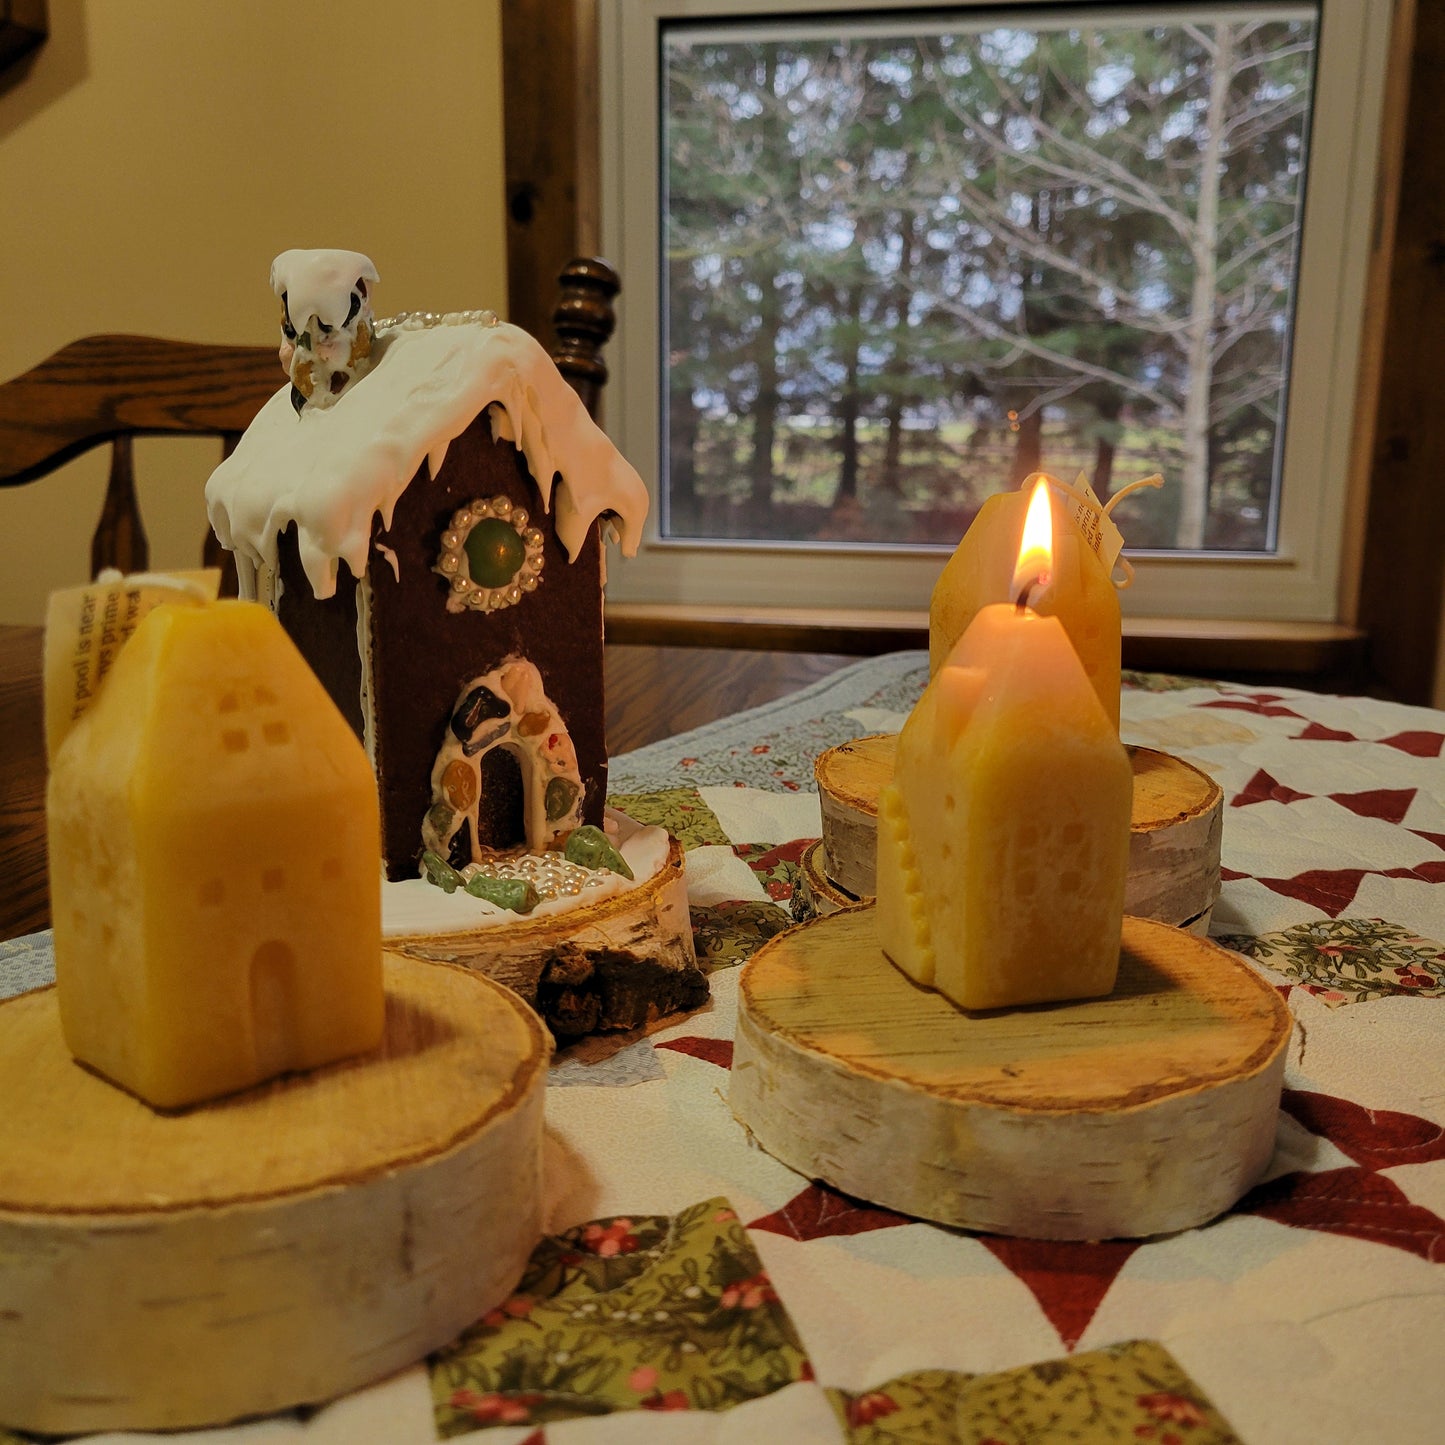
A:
{"x":644,"y":1312}
{"x":1128,"y":1394}
{"x":1349,"y":960}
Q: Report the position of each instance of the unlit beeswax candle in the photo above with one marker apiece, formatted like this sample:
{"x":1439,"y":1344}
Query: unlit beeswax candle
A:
{"x":214,"y":864}
{"x":1003,"y":838}
{"x":1082,"y":596}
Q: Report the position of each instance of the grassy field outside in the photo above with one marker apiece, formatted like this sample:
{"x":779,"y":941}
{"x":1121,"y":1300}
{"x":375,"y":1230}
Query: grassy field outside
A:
{"x":943,"y":476}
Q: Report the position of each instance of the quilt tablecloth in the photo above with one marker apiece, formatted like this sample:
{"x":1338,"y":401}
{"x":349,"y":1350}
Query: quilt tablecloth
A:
{"x":695,"y":1290}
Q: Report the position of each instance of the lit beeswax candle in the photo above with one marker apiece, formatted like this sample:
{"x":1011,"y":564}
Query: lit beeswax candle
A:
{"x":1003,"y":838}
{"x":1082,"y":597}
{"x":214,"y":861}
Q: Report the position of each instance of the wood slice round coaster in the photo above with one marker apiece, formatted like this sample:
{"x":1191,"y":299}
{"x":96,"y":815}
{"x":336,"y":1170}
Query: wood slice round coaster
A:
{"x":619,"y":963}
{"x":1175,"y":831}
{"x":1147,"y":1111}
{"x":279,"y":1247}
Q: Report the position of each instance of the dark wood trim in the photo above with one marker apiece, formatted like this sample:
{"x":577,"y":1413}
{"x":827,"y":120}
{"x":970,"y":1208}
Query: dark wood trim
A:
{"x":1326,"y":655}
{"x":549,"y":80}
{"x":1402,"y":580}
{"x":24,"y":27}
{"x":768,"y":629}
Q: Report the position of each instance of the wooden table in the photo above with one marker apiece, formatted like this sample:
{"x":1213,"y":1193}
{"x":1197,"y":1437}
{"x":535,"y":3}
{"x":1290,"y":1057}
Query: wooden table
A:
{"x":652,"y":693}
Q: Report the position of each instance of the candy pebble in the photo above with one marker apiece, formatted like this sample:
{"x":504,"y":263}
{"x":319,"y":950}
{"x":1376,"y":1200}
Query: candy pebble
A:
{"x":515,"y":894}
{"x":436,"y":869}
{"x":480,"y":704}
{"x":459,"y":783}
{"x":559,"y":796}
{"x":589,"y":847}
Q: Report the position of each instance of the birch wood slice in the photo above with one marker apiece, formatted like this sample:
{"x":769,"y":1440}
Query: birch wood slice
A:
{"x":1176,"y":827}
{"x":850,"y":778}
{"x":817,"y":894}
{"x":1147,"y":1111}
{"x":619,"y":963}
{"x":280,"y":1247}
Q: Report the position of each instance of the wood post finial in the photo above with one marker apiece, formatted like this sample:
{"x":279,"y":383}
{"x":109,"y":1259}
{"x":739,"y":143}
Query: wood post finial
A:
{"x":584,"y":320}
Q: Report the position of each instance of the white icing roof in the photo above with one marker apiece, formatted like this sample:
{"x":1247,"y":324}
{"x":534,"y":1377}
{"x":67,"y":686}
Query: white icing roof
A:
{"x":330,"y":471}
{"x":319,"y":283}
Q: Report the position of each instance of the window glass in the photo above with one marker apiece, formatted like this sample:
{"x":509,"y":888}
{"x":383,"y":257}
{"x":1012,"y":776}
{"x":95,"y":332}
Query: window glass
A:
{"x":879,"y":259}
{"x":905,"y":262}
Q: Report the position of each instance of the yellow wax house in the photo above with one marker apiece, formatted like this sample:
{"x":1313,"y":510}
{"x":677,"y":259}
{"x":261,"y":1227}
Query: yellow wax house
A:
{"x":1003,"y":836}
{"x":1083,"y":597}
{"x":214,"y":864}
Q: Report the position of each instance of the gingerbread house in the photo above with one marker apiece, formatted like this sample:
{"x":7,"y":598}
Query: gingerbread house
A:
{"x":429,"y":527}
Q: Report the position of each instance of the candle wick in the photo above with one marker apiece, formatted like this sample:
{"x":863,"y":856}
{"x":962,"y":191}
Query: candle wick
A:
{"x":1031,"y":589}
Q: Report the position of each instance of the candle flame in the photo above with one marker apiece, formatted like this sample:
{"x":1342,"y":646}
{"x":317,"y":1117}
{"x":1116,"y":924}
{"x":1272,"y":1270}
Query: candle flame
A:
{"x":1034,"y":571}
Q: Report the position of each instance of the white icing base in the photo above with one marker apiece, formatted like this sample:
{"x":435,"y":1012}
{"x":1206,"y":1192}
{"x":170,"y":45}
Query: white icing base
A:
{"x":415,"y":906}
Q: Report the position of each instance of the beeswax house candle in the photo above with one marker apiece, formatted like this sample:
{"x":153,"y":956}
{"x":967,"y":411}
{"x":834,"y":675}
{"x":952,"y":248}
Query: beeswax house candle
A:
{"x":1003,"y":837}
{"x":214,"y":864}
{"x":1082,"y":597}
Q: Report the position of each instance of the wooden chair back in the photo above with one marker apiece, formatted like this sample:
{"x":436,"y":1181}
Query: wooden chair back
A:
{"x":115,"y":388}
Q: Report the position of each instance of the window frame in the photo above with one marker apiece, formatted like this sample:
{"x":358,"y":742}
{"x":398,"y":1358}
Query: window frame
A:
{"x":1301,"y":581}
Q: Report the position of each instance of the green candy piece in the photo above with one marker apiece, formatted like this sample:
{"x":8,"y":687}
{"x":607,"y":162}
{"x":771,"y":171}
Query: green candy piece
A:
{"x":436,"y":869}
{"x":560,"y":793}
{"x":495,"y":552}
{"x":515,"y":894}
{"x":589,"y":847}
{"x":440,"y":816}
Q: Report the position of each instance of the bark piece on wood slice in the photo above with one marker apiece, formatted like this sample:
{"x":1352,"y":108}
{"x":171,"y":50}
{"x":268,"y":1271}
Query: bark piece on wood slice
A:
{"x":165,"y":1270}
{"x":619,"y":963}
{"x":816,"y":894}
{"x":1175,"y":829}
{"x":1147,"y":1111}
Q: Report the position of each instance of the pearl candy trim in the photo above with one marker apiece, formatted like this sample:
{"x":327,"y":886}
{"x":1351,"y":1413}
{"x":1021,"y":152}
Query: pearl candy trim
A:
{"x":426,"y":320}
{"x":552,"y":875}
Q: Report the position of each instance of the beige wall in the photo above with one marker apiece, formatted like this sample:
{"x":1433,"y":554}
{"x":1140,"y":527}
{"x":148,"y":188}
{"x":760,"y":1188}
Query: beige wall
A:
{"x":158,"y":153}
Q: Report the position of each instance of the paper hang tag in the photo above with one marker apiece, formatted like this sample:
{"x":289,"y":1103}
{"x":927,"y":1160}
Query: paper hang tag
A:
{"x":86,"y":627}
{"x":1094,"y":522}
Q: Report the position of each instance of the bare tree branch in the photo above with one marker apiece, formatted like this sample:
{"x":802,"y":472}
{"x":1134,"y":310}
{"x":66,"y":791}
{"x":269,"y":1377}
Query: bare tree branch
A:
{"x":1035,"y":349}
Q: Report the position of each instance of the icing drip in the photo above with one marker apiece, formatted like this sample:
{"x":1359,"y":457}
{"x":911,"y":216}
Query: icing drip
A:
{"x":363,"y":648}
{"x":319,"y":283}
{"x":331,"y":472}
{"x":391,"y":558}
{"x":326,"y":322}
